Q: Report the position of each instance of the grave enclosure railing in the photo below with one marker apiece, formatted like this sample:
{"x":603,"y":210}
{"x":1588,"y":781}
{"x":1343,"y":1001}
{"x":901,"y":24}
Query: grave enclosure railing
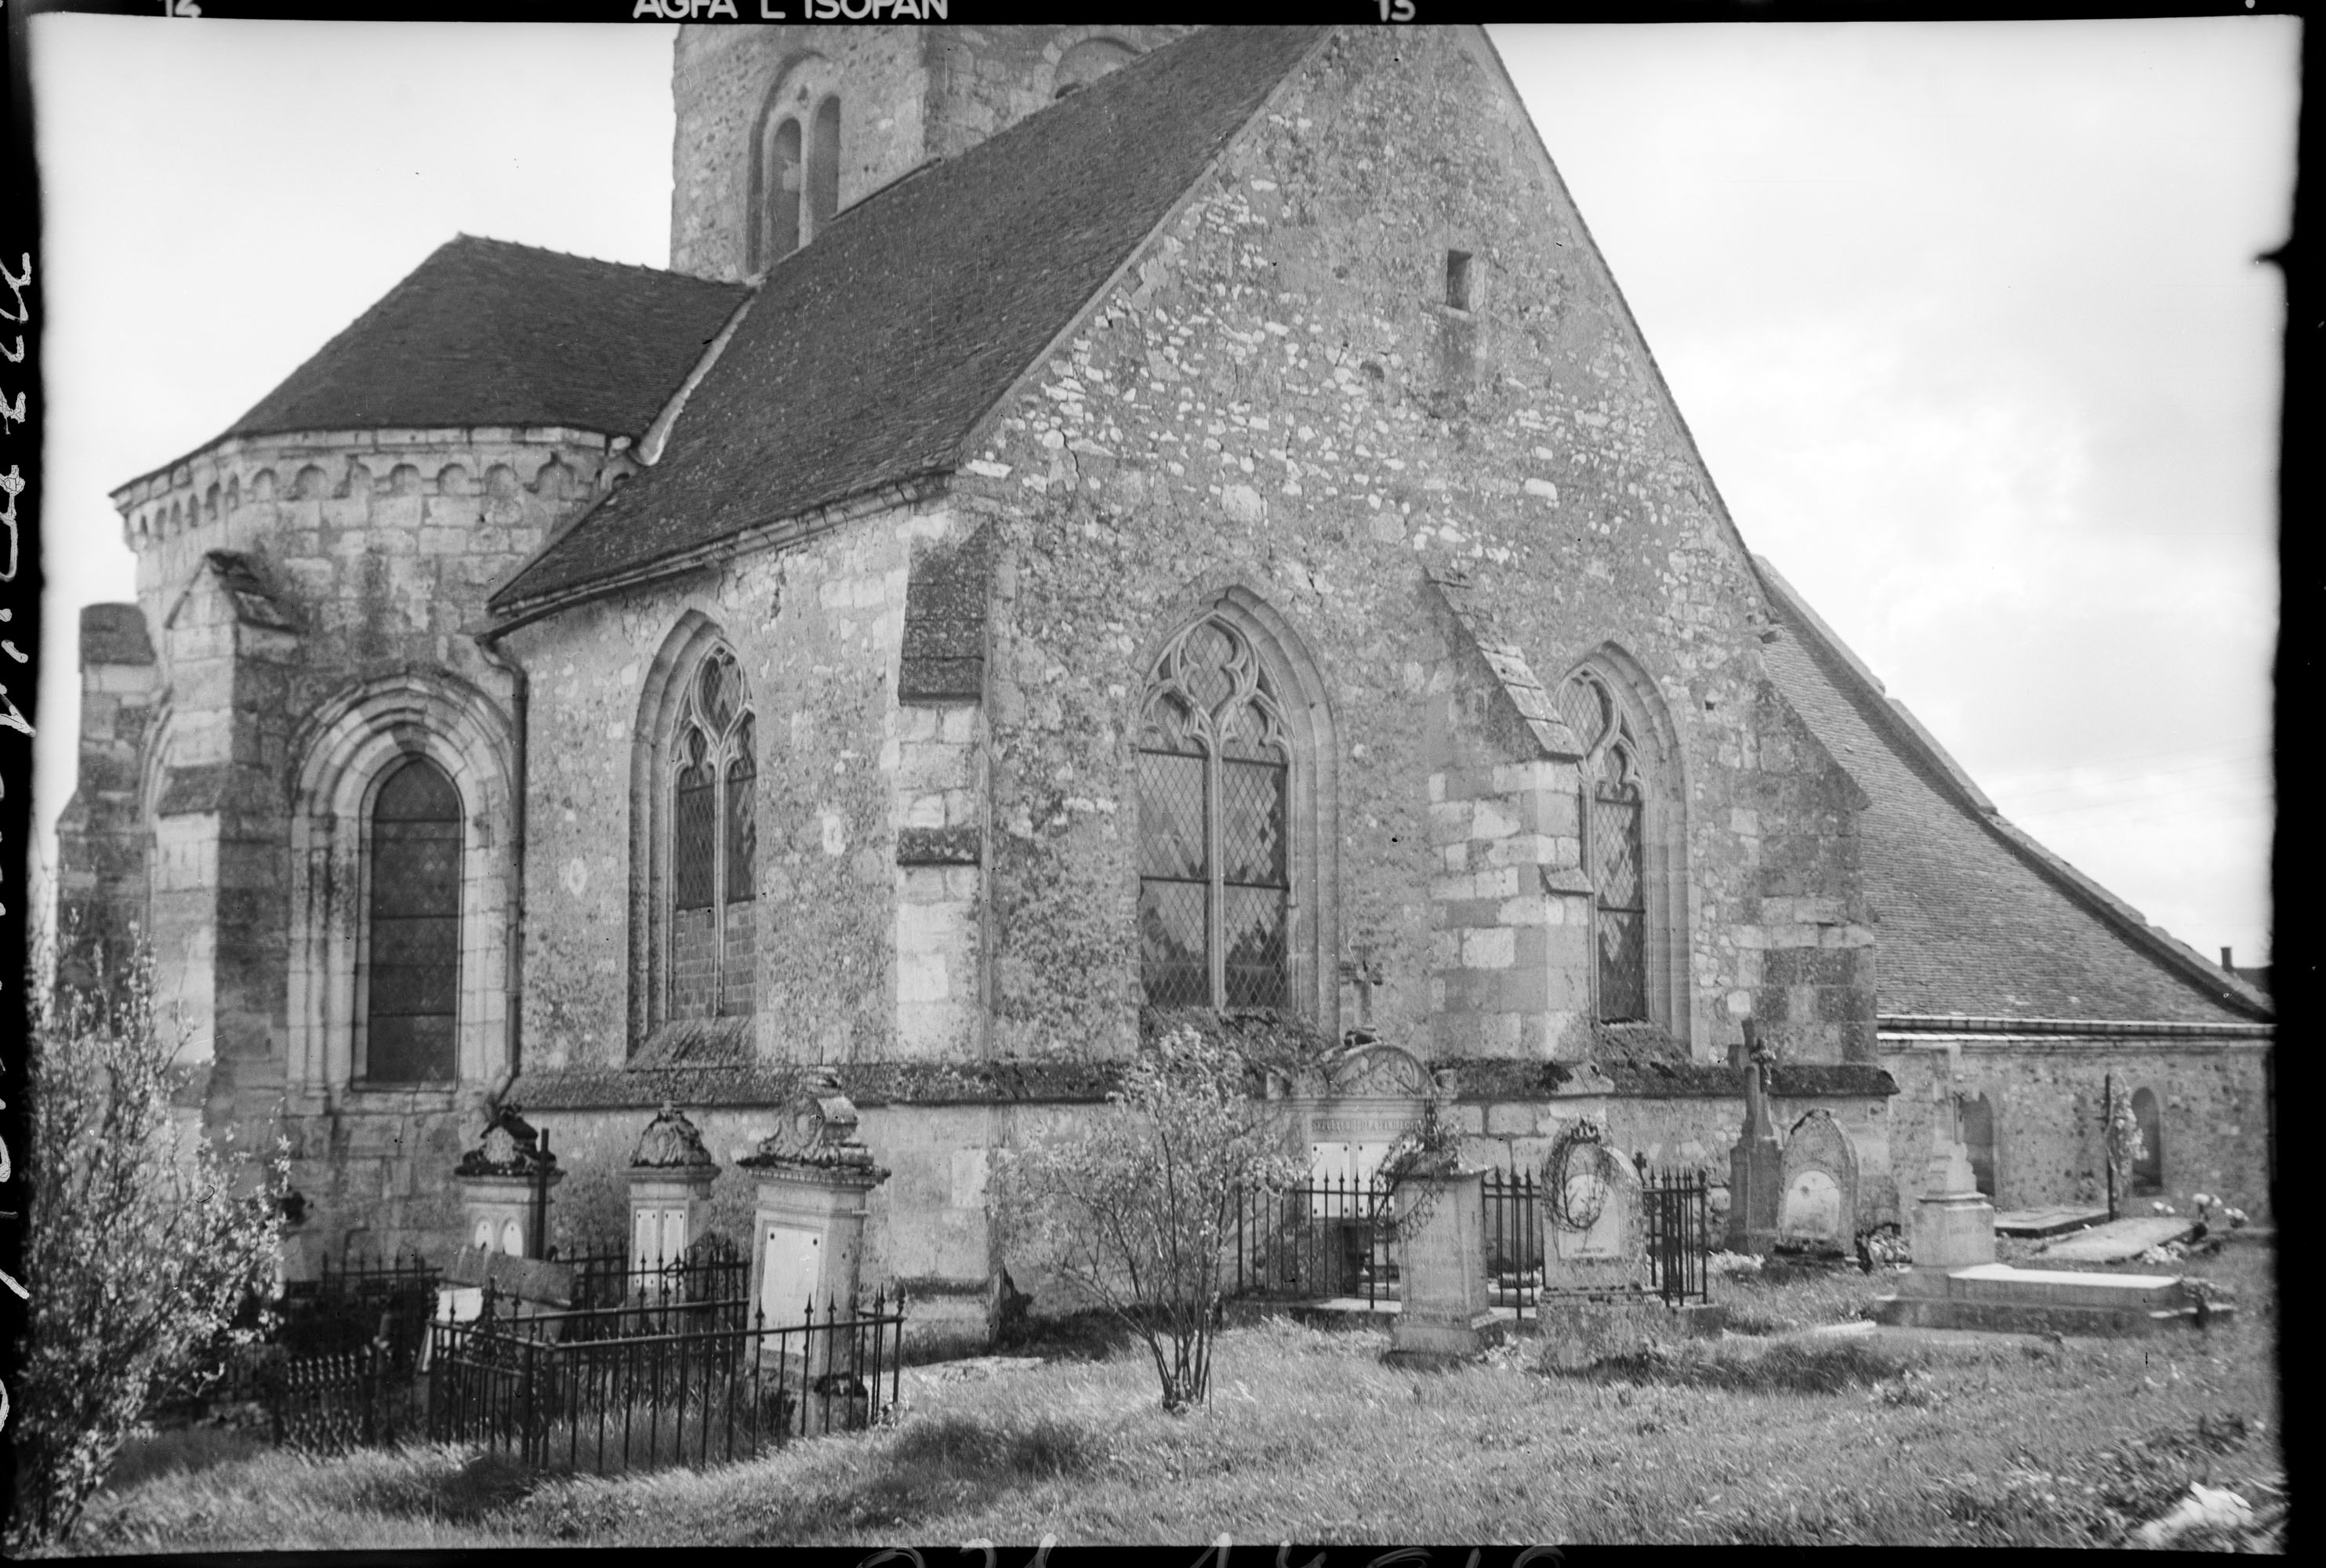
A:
{"x":715,"y":1268}
{"x":1678,"y":1206}
{"x":1326,"y":1240}
{"x":1316,"y":1241}
{"x":584,"y":1390}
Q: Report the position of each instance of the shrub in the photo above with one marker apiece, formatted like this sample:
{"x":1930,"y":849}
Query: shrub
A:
{"x":1138,"y":1210}
{"x":143,"y":1241}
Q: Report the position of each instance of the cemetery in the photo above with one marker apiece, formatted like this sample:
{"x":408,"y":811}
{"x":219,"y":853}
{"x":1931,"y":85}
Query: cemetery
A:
{"x":1582,"y":1319}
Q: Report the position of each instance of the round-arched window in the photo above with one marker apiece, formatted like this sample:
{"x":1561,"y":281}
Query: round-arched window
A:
{"x":413,"y":972}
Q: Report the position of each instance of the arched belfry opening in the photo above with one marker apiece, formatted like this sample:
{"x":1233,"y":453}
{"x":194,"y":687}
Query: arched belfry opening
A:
{"x":795,"y":163}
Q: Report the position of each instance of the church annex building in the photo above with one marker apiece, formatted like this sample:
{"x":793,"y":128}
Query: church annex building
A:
{"x":1091,"y":522}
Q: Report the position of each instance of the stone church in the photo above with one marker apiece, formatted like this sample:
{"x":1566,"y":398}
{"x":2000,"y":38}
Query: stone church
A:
{"x":1093,"y":522}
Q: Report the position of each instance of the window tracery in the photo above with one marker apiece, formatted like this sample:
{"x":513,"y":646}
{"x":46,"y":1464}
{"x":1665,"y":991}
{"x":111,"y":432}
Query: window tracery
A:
{"x":1614,"y":811}
{"x":1214,"y":887}
{"x":714,"y":844}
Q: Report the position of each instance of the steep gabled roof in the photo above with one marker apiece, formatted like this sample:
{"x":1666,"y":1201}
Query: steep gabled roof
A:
{"x":871,"y":355}
{"x":488,"y":332}
{"x":1976,"y":918}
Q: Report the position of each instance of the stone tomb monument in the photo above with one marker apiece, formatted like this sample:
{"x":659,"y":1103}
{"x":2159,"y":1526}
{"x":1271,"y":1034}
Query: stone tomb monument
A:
{"x":1755,"y":1166}
{"x":1594,"y":1238}
{"x":671,"y":1173}
{"x":1955,"y":1282}
{"x":504,"y":1184}
{"x":1817,"y":1210}
{"x":1594,"y":1302}
{"x":1441,"y":1259}
{"x":815,"y":1176}
{"x":1954,"y":1224}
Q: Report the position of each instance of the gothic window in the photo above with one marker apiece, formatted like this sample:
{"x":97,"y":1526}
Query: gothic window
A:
{"x":1215,"y":885}
{"x":2148,"y":1169}
{"x":713,"y":845}
{"x":412,"y":976}
{"x":1614,"y":801}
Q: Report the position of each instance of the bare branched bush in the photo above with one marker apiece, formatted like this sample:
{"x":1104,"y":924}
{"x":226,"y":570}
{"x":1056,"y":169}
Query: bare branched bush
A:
{"x":1138,"y":1209}
{"x":143,"y":1239}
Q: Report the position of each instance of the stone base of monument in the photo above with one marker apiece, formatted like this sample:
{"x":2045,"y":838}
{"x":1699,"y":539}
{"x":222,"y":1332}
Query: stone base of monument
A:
{"x":1415,"y":1341}
{"x":1700,"y":1320}
{"x":1577,"y":1333}
{"x":1998,"y":1299}
{"x":1953,"y":1231}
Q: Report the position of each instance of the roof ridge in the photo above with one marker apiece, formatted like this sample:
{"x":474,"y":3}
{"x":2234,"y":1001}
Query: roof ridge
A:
{"x":461,"y":234}
{"x":1889,"y":716}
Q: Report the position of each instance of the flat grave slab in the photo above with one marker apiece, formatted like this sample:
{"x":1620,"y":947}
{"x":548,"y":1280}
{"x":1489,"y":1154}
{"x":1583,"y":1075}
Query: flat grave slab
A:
{"x":2120,"y":1239}
{"x":1999,"y":1298}
{"x":2055,"y":1221}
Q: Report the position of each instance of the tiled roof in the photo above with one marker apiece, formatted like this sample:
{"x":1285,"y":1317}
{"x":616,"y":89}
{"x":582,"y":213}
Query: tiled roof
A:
{"x":488,"y":332}
{"x":1974,"y":916}
{"x":870,"y":355}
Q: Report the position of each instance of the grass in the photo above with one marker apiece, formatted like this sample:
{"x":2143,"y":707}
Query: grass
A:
{"x":1309,"y":1438}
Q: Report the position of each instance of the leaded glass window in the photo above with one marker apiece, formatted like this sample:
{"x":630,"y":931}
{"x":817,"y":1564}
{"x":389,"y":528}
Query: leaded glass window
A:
{"x":413,"y":971}
{"x":1215,"y":885}
{"x":1613,"y":844}
{"x":713,"y":845}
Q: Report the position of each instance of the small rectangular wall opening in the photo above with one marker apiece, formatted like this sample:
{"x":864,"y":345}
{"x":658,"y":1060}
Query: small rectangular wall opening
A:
{"x":1457,"y":280}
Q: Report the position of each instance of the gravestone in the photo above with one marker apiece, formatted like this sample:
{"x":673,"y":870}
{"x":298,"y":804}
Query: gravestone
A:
{"x":1818,"y":1209}
{"x":1756,"y":1168}
{"x":1445,"y":1313}
{"x":670,"y":1173}
{"x":815,"y":1180}
{"x":1594,"y":1302}
{"x":1593,"y":1219}
{"x":504,"y":1184}
{"x":1954,"y":1224}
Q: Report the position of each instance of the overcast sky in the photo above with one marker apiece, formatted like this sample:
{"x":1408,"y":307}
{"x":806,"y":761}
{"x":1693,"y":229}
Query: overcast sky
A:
{"x":1965,"y":319}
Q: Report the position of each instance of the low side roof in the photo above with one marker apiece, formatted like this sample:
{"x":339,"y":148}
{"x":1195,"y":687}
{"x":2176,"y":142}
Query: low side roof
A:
{"x":488,"y":332}
{"x":1976,"y":918}
{"x":871,"y":355}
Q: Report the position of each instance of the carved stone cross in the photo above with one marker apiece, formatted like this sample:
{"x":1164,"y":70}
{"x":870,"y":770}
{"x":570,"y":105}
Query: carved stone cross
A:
{"x":1362,"y":970}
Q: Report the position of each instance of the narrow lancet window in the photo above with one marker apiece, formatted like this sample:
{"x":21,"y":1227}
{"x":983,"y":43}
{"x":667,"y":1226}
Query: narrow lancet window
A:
{"x":824,"y":167}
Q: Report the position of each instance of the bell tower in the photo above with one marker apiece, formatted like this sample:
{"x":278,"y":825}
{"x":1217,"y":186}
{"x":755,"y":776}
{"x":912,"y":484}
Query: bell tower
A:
{"x":782,"y":127}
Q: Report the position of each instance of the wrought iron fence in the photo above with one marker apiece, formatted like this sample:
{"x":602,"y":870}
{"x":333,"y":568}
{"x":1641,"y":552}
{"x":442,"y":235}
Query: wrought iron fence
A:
{"x":1513,"y":1240}
{"x":338,"y":1401}
{"x":578,"y":1390}
{"x":1679,"y":1234}
{"x":352,"y":1307}
{"x":714,"y":1269}
{"x":1327,"y":1239}
{"x":1318,"y":1240}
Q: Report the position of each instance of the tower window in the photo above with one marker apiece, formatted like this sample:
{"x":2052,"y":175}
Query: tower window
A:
{"x":824,"y":167}
{"x":1457,"y":280}
{"x":783,"y":195}
{"x":798,"y":178}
